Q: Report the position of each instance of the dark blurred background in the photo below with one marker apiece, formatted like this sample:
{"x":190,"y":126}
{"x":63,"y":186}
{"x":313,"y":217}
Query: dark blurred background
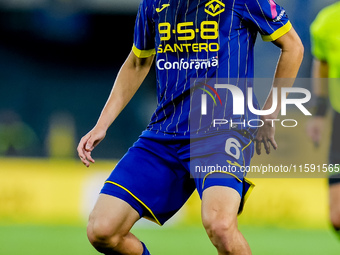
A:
{"x":59,"y":59}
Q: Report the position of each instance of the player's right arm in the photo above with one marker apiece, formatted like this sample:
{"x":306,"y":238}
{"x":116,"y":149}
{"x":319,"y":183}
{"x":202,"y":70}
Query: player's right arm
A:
{"x":129,"y":79}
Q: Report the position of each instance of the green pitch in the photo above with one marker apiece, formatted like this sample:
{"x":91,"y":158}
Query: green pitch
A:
{"x":67,"y":240}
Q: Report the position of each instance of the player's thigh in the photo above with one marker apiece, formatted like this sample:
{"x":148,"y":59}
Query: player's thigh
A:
{"x":220,"y":204}
{"x":111,"y":216}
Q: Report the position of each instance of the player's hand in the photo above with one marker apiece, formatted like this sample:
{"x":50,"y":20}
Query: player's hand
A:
{"x":265,"y":136}
{"x":88,"y":143}
{"x":315,"y":128}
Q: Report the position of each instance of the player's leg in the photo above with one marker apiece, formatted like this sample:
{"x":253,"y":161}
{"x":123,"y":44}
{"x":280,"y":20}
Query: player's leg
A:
{"x":334,"y":179}
{"x":109,"y":227}
{"x":144,"y":183}
{"x":220,"y":206}
{"x":334,"y":204}
{"x":223,"y":188}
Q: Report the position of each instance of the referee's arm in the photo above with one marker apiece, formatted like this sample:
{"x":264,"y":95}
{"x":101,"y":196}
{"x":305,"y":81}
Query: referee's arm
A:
{"x":316,"y":125}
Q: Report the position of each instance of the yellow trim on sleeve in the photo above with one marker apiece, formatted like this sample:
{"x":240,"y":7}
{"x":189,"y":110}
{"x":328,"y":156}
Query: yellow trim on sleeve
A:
{"x":128,"y":191}
{"x":278,"y":33}
{"x":143,"y":53}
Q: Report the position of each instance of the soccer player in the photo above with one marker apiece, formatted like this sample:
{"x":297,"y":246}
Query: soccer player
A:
{"x":199,"y":48}
{"x":325,"y":37}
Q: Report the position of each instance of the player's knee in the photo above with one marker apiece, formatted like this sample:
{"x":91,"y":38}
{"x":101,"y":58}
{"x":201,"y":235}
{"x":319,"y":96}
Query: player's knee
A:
{"x":102,"y":236}
{"x":221,"y":232}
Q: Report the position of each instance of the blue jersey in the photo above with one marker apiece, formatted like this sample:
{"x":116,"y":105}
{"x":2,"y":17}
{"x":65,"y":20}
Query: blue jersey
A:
{"x":199,"y":44}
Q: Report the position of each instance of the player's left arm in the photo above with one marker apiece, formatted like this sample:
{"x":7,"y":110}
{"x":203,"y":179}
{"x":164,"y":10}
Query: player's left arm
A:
{"x":286,"y":71}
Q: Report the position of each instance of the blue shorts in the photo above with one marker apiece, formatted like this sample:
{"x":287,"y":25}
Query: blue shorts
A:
{"x":156,"y":177}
